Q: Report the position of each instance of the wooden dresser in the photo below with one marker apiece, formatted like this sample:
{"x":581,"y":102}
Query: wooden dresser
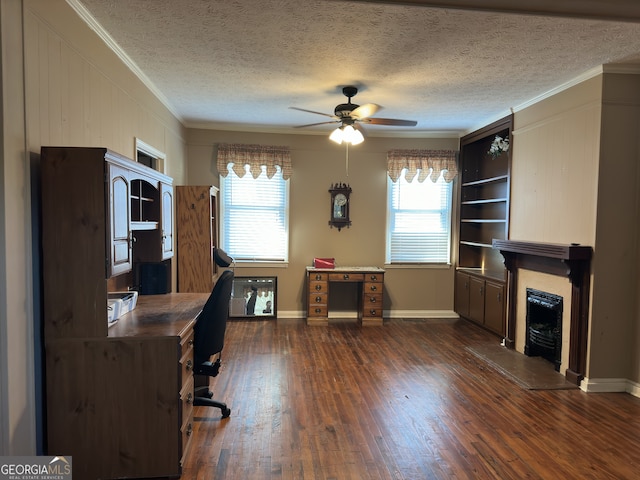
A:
{"x":370,"y":282}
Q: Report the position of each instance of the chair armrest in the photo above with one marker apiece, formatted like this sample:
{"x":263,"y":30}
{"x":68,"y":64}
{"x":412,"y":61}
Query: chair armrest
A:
{"x":207,"y":368}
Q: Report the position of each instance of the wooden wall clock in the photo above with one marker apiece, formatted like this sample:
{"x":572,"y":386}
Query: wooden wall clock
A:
{"x":340,"y":193}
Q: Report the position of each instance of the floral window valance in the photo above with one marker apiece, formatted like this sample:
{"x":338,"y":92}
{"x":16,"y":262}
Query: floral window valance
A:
{"x":255,"y":156}
{"x":423,"y":163}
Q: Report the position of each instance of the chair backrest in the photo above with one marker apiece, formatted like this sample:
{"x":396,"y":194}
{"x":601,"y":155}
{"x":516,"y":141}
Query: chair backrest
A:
{"x":212,"y":321}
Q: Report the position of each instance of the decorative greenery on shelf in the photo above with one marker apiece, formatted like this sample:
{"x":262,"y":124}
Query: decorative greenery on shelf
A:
{"x":498,"y":146}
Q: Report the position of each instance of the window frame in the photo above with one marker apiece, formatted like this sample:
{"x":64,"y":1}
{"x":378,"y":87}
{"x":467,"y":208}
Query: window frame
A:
{"x":447,"y":222}
{"x":224,"y":209}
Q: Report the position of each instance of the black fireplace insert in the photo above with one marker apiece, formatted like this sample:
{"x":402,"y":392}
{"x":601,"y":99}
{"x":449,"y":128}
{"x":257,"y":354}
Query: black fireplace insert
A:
{"x":544,"y":326}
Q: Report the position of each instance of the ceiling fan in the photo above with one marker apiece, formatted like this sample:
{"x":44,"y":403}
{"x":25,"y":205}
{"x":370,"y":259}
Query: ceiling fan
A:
{"x":352,"y":115}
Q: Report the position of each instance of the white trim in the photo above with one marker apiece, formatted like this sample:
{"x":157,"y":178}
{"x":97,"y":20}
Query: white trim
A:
{"x":153,"y":152}
{"x":633,"y":388}
{"x":144,"y":147}
{"x":605,"y":385}
{"x":413,"y":314}
{"x":417,"y":314}
{"x":92,"y":23}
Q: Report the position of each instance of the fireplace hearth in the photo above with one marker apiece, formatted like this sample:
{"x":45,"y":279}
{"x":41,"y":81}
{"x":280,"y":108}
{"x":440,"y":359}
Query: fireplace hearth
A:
{"x":544,"y":326}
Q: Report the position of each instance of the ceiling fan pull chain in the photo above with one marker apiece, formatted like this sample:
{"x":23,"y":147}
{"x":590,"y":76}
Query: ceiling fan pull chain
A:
{"x":347,"y":160}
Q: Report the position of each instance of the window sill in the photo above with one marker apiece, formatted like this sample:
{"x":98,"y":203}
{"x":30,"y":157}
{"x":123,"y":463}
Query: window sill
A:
{"x":249,"y":264}
{"x":409,"y":266}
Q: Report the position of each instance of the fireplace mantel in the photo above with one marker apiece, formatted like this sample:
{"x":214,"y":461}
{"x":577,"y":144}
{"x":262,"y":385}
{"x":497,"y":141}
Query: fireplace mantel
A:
{"x":570,"y":260}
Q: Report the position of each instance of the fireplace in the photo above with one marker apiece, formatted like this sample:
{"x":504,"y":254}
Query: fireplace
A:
{"x":543,"y":336}
{"x":572,"y":261}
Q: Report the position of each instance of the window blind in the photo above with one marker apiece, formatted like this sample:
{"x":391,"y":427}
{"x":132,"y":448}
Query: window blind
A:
{"x":255,"y":216}
{"x":419,"y":221}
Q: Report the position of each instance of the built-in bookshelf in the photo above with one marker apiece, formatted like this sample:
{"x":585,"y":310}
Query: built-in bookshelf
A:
{"x":484,"y":216}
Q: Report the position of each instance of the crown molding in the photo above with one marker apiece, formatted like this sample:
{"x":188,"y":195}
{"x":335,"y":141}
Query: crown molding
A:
{"x":91,"y":22}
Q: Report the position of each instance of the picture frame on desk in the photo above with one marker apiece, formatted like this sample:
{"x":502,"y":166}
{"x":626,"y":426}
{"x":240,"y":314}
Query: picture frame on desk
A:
{"x":254,"y":297}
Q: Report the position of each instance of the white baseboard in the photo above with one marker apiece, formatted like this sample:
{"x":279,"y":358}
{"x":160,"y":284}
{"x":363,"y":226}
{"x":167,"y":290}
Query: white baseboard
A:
{"x":289,"y":314}
{"x":610,"y":385}
{"x":420,"y":314}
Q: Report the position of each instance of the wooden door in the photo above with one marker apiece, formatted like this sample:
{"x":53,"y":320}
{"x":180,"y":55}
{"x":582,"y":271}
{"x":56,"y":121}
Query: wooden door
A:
{"x":462,"y":294}
{"x":494,"y":307}
{"x":476,"y":299}
{"x":194,"y":233}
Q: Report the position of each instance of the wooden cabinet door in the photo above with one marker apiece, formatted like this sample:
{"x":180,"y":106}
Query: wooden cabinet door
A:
{"x":166,"y":202}
{"x":196,"y":230}
{"x":119,"y":237}
{"x":476,"y":299}
{"x":462,"y":294}
{"x":494,"y":307}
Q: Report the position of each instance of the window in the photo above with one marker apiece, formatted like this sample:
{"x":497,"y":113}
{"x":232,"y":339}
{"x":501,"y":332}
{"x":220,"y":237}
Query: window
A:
{"x":255,"y":216}
{"x":418,"y":221}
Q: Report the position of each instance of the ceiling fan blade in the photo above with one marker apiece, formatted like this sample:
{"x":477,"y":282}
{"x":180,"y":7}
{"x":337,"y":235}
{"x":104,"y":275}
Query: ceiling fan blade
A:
{"x":390,"y":121}
{"x":311,"y":111}
{"x":314,"y":124}
{"x":365,"y":111}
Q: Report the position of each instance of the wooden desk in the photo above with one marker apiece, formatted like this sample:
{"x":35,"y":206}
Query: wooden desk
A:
{"x":370,"y":292}
{"x":121,"y":405}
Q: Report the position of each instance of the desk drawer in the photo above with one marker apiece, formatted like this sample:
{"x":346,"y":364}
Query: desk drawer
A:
{"x":346,"y":277}
{"x":186,"y":433}
{"x":186,"y":343}
{"x":186,"y":366}
{"x":318,"y":287}
{"x":375,"y":312}
{"x":317,"y":299}
{"x":372,"y":300}
{"x":186,"y":399}
{"x":317,"y":311}
{"x":373,"y":287}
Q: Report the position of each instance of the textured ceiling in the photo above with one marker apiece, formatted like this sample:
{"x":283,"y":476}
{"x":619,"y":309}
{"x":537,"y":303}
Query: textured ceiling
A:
{"x":241,"y":64}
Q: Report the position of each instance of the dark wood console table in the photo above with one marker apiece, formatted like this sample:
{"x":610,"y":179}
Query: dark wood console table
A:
{"x":370,"y":292}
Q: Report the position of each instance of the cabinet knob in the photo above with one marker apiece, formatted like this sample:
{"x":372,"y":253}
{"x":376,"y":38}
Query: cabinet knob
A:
{"x":318,"y":276}
{"x":318,"y":310}
{"x":373,"y":288}
{"x":372,"y":299}
{"x":189,"y":398}
{"x":346,"y":276}
{"x":372,"y":312}
{"x":189,"y":365}
{"x":374,"y":278}
{"x":318,"y":299}
{"x":318,"y":287}
{"x":189,"y":430}
{"x":191,"y":342}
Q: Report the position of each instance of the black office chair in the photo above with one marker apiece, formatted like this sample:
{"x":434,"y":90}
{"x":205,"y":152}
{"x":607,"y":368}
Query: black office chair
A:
{"x":209,"y":336}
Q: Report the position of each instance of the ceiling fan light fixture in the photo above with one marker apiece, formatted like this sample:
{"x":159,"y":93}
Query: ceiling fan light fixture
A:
{"x":337,"y":135}
{"x":346,"y":133}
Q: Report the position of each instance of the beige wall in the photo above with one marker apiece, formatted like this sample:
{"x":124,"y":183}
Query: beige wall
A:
{"x":575,"y":179}
{"x":317,"y":163}
{"x":614,"y":352}
{"x":76,"y":92}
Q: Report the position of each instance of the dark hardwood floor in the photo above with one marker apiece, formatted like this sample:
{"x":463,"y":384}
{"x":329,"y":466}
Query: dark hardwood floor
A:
{"x":401,"y":401}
